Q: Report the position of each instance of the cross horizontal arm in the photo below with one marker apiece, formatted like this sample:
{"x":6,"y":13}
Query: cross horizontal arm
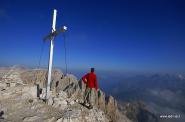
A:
{"x":55,"y":33}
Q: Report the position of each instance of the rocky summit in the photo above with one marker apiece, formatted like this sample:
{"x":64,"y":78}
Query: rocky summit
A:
{"x":23,"y":93}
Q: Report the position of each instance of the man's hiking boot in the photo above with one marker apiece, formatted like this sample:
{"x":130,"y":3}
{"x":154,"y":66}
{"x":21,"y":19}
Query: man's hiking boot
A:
{"x":90,"y":107}
{"x":84,"y":104}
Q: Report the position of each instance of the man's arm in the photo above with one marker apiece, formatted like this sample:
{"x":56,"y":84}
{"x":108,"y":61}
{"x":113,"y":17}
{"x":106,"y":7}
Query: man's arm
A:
{"x":96,"y":83}
{"x":84,"y":78}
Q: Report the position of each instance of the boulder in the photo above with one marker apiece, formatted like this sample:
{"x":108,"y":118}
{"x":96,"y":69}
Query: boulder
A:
{"x":30,"y":91}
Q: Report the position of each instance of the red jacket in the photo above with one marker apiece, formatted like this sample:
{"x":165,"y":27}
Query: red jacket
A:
{"x":90,"y":80}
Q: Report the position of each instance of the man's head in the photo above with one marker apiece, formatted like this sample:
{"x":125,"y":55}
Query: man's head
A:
{"x":92,"y":69}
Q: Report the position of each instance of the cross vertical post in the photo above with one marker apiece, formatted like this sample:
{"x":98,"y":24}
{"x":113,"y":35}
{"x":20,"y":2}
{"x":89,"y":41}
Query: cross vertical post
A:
{"x":51,"y":56}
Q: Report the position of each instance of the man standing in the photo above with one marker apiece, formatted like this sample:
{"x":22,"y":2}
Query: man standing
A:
{"x":91,"y":82}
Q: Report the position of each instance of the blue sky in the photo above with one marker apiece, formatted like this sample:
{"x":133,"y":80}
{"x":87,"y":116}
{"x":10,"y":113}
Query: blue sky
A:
{"x":123,"y":35}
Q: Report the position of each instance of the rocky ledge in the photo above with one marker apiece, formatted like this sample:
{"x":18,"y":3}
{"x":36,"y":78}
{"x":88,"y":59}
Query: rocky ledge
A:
{"x":22,"y":94}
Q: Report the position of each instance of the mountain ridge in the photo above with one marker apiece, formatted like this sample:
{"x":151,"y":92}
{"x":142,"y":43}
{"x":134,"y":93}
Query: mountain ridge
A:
{"x":22,"y":84}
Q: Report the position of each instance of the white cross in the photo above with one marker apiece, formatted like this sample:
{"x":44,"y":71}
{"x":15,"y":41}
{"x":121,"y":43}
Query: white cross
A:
{"x":51,"y":38}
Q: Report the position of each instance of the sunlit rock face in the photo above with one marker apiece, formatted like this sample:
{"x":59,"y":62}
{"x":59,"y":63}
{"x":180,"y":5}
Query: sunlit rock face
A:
{"x":23,"y":92}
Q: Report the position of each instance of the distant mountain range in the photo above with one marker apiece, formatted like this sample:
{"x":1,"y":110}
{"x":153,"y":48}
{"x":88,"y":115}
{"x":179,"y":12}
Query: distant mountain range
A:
{"x":163,"y":94}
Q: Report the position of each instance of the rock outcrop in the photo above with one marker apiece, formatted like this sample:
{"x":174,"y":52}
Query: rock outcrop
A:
{"x":22,"y":93}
